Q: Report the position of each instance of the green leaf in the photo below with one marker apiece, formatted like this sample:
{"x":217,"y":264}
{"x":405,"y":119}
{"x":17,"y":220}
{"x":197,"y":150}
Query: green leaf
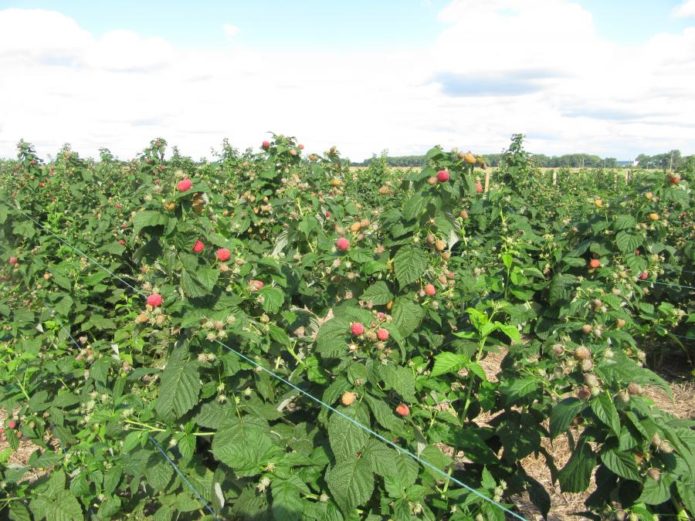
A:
{"x":627,"y":242}
{"x":212,"y":415}
{"x":147,"y":218}
{"x":244,"y":445}
{"x":400,"y":379}
{"x":406,"y":474}
{"x":19,"y":512}
{"x":179,"y":388}
{"x":66,"y":508}
{"x":656,"y":492}
{"x":605,"y":410}
{"x":575,"y":476}
{"x":409,"y":264}
{"x":518,"y":389}
{"x":624,"y":222}
{"x":383,"y":414}
{"x":686,"y":491}
{"x":346,"y":438}
{"x":563,"y":413}
{"x":158,"y":472}
{"x":287,"y":500}
{"x":63,"y":305}
{"x":621,"y":463}
{"x":377,"y":294}
{"x":380,"y":457}
{"x":407,"y":316}
{"x":199,"y":284}
{"x":413,"y":206}
{"x":351,"y":483}
{"x":448,"y":363}
{"x":273,"y":299}
{"x":111,"y":479}
{"x":559,"y":289}
{"x":331,"y":339}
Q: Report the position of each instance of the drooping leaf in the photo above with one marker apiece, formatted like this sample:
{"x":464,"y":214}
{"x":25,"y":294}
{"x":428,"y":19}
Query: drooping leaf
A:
{"x":351,"y":483}
{"x":179,"y":388}
{"x":409,"y":264}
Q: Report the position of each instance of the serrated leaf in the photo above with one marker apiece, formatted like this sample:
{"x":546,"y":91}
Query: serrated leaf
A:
{"x":575,"y":476}
{"x":413,"y":206}
{"x":66,"y":508}
{"x":409,"y":264}
{"x":158,"y":472}
{"x":111,"y":479}
{"x":287,"y":500}
{"x":380,"y":457}
{"x":345,"y":437}
{"x":627,"y":242}
{"x":518,"y":389}
{"x":621,"y":463}
{"x":331,"y":338}
{"x":179,"y":388}
{"x":448,"y":363}
{"x":656,"y":492}
{"x":377,"y":294}
{"x":624,"y":222}
{"x":400,"y":379}
{"x":244,"y":445}
{"x":563,"y":413}
{"x":351,"y":483}
{"x":199,"y":284}
{"x":19,"y":512}
{"x":273,"y":299}
{"x":559,"y":289}
{"x":147,"y":218}
{"x":686,"y":490}
{"x":383,"y":414}
{"x":605,"y":410}
{"x":407,"y":316}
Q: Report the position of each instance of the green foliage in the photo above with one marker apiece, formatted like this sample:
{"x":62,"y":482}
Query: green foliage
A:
{"x":93,"y":375}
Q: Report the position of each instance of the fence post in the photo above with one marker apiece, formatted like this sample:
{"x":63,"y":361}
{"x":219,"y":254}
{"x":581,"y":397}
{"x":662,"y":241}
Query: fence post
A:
{"x":487,"y":181}
{"x":554,"y":177}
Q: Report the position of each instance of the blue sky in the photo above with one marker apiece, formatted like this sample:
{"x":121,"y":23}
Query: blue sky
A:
{"x":610,"y":77}
{"x":353,"y":24}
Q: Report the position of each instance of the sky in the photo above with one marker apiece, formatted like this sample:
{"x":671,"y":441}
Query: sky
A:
{"x":613,"y":78}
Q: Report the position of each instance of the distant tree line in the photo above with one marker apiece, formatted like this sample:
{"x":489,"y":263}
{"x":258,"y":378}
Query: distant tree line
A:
{"x":669,"y":160}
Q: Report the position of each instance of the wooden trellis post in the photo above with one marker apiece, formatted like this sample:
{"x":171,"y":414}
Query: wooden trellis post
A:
{"x":487,"y":181}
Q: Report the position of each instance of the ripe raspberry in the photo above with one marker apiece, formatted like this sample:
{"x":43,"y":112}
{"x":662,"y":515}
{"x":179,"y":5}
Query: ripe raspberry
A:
{"x":402,"y":409}
{"x":382,"y":334}
{"x":342,"y":244}
{"x":442,"y":176}
{"x":357,"y":328}
{"x":430,"y":290}
{"x":594,"y":263}
{"x":223,"y":254}
{"x":265,"y":145}
{"x":155,"y":300}
{"x":198,"y":246}
{"x":184,"y":185}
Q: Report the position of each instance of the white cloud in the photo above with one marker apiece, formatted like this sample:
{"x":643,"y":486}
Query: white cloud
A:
{"x":498,"y":67}
{"x":230,"y":30}
{"x":685,"y":10}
